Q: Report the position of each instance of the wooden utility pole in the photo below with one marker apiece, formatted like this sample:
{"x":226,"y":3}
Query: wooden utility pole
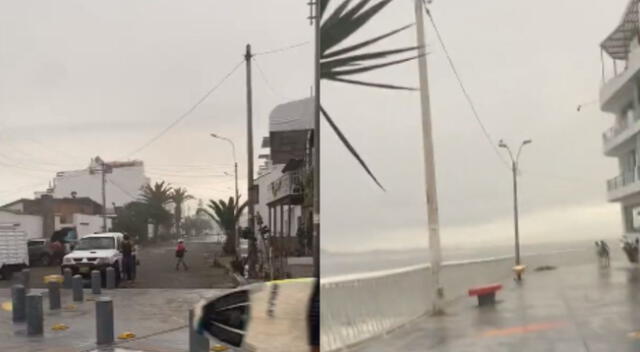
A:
{"x":250,"y":222}
{"x":429,"y":163}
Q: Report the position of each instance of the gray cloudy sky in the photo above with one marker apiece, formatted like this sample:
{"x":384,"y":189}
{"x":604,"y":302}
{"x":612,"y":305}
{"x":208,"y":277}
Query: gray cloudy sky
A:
{"x":87,"y":78}
{"x":527,"y":66}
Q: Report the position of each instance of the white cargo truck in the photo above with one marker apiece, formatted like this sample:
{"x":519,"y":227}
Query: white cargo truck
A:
{"x":14,"y":254}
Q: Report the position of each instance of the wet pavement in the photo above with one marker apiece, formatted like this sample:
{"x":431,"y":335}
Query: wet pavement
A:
{"x":158,"y":318}
{"x":572,"y":308}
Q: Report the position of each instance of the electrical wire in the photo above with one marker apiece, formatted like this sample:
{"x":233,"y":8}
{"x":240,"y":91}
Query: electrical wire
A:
{"x":279,"y":50}
{"x":186,"y":113}
{"x":263,"y":76}
{"x":463,"y":88}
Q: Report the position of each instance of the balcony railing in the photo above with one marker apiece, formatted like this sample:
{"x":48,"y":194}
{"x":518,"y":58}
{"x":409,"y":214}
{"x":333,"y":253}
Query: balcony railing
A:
{"x":626,"y":178}
{"x":288,"y":184}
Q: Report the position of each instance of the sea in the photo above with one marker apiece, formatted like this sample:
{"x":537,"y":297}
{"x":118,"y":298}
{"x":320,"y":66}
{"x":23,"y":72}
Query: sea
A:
{"x":337,"y":264}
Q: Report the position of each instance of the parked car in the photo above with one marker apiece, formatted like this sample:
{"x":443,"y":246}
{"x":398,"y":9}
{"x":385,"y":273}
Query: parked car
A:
{"x":14,"y":255}
{"x":39,"y":252}
{"x":96,"y":252}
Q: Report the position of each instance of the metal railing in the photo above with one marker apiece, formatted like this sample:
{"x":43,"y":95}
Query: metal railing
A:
{"x":356,"y":308}
{"x":287,"y":184}
{"x":626,"y":178}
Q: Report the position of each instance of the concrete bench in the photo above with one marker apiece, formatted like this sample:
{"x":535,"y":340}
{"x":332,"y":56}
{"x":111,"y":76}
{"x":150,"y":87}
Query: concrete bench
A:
{"x":486,"y":294}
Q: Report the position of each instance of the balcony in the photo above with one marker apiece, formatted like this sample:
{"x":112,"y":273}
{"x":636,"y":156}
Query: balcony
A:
{"x":624,"y":185}
{"x":616,"y":136}
{"x":289,"y":185}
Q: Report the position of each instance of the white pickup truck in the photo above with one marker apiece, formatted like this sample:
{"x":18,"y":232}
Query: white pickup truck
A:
{"x":14,"y":254}
{"x":96,"y":252}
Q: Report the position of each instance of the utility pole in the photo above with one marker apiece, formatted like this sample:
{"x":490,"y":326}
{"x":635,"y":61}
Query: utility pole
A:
{"x":316,"y":143}
{"x":104,"y":197}
{"x":429,"y":163}
{"x":247,"y":58}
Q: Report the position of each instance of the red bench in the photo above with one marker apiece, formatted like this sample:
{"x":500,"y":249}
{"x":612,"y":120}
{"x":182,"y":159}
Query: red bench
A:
{"x":486,"y":294}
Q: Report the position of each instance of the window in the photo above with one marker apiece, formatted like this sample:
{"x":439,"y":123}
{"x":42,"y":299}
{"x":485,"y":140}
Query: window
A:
{"x":89,"y":243}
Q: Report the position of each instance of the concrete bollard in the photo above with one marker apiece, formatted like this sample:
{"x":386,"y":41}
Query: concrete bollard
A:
{"x":68,"y":277}
{"x":25,"y":277}
{"x":18,"y":302}
{"x":197,"y":342}
{"x":78,"y":294}
{"x":111,"y":278}
{"x":104,"y":321}
{"x":54,"y":295}
{"x":34,"y":315}
{"x":96,"y":282}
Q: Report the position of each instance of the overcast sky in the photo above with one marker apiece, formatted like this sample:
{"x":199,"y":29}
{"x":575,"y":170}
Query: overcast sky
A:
{"x":86,"y":78}
{"x":527,"y":65}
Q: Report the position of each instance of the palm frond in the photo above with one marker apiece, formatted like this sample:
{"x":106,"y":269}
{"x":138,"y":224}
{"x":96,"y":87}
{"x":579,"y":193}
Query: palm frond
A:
{"x":341,"y":26}
{"x":348,"y":145}
{"x":370,"y":84}
{"x":323,"y":7}
{"x":363,"y":44}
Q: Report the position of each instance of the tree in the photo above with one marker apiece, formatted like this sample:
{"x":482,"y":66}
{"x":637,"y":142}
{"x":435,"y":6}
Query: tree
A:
{"x":226,"y":216}
{"x":339,"y":64}
{"x":156,"y":197}
{"x":132,"y":219}
{"x":179,"y":196}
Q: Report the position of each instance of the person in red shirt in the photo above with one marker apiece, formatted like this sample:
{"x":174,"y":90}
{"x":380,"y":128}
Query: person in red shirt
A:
{"x":180,"y":251}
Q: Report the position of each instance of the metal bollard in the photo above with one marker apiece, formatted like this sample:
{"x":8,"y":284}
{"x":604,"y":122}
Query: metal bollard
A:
{"x":96,"y":282}
{"x":54,"y":295}
{"x":197,"y":342}
{"x":111,"y":278}
{"x":68,"y":277}
{"x":18,"y":302}
{"x":25,"y":277}
{"x":104,"y":321}
{"x":34,"y":314}
{"x":78,"y":294}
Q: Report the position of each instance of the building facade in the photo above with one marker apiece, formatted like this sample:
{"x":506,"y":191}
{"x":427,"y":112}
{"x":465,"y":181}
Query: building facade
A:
{"x":123,"y":182}
{"x":620,"y":96}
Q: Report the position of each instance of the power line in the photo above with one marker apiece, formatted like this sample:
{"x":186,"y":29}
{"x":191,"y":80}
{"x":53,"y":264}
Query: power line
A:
{"x":188,"y":112}
{"x":122,"y":189}
{"x":289,"y":47}
{"x":263,"y":76}
{"x":463,"y":88}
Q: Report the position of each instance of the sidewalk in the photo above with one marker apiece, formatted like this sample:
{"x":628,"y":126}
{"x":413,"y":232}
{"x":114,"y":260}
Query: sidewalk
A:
{"x":158,"y":317}
{"x":572,"y":308}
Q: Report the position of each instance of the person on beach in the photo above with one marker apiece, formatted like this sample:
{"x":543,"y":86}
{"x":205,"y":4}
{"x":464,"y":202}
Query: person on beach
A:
{"x":180,"y":251}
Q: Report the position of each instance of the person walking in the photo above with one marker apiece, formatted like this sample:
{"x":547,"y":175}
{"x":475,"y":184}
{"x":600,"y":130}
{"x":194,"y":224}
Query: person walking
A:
{"x":127,"y":258}
{"x":180,"y":251}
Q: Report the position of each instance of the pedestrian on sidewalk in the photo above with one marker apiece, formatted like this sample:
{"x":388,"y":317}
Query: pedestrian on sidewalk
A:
{"x":127,"y":258}
{"x":180,"y":251}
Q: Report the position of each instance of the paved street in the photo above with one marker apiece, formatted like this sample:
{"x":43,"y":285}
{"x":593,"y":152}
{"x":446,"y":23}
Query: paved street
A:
{"x":573,"y":308}
{"x":157,"y":268}
{"x":157,"y":317}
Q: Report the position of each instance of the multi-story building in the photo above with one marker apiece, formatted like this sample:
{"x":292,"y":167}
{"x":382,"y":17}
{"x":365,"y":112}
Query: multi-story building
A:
{"x":123,"y":182}
{"x":281,"y":201}
{"x":620,"y":96}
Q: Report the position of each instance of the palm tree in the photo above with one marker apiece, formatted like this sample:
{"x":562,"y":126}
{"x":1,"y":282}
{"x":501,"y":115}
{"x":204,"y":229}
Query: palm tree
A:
{"x":179,"y":196}
{"x":157,"y":197}
{"x":338,"y":64}
{"x":226,"y":215}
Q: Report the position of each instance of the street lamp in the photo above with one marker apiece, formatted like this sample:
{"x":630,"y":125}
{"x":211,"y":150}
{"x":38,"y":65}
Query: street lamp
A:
{"x":235,"y":172}
{"x":514,"y":170}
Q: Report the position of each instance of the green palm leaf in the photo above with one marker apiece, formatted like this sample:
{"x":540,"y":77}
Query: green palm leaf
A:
{"x":370,"y":84}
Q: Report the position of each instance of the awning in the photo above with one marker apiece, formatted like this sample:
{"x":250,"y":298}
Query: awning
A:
{"x":617,"y":43}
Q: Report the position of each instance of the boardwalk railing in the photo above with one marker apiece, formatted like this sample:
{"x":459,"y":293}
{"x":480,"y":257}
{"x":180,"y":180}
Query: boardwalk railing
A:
{"x":358,"y":307}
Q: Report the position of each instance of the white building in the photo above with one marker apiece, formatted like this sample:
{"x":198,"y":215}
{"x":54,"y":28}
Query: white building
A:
{"x":620,"y":96}
{"x":124,"y":182}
